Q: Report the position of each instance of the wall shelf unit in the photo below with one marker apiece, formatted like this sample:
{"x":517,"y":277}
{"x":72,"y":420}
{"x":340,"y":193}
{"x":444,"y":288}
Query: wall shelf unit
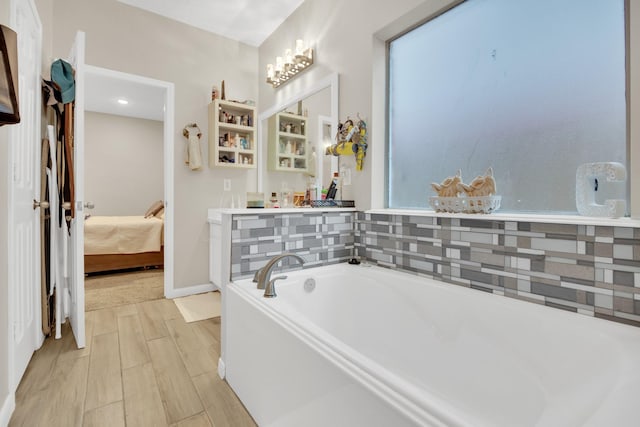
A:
{"x":288,"y":147}
{"x":232,"y":135}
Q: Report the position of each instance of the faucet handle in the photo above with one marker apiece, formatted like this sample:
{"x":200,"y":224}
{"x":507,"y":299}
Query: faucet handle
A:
{"x":256,"y":276}
{"x":270,"y":289}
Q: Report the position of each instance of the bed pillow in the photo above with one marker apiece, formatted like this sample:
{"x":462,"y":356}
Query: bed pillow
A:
{"x":154,"y":209}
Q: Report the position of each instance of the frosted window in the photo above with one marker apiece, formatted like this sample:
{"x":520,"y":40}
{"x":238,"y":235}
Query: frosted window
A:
{"x":533,"y":88}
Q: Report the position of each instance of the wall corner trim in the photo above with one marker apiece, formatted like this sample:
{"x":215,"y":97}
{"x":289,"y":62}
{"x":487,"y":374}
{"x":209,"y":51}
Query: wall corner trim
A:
{"x":7,"y":408}
{"x":190,"y":290}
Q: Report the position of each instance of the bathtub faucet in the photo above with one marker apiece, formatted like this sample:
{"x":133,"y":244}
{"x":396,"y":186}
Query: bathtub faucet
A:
{"x":263,"y":276}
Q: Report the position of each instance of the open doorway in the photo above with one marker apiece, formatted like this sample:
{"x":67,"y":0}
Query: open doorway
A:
{"x":128,"y":176}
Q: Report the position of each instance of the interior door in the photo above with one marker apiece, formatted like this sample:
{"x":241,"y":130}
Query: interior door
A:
{"x":24,"y":218}
{"x":76,"y":279}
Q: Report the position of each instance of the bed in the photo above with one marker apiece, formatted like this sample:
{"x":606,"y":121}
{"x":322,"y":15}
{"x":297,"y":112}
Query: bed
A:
{"x":123,"y":242}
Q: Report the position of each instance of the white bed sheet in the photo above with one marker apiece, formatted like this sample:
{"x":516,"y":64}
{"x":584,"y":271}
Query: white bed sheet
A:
{"x":122,"y":235}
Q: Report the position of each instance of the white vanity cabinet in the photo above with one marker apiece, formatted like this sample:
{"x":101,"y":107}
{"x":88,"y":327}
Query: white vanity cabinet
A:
{"x":219,"y":247}
{"x":232,"y":135}
{"x":288,"y":147}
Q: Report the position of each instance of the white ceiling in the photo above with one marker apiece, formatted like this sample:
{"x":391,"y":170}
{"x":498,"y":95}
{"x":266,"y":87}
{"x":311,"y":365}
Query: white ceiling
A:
{"x":247,"y":21}
{"x":102,"y":94}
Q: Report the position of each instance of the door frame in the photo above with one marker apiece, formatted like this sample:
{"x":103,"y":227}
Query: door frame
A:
{"x":168,"y":160}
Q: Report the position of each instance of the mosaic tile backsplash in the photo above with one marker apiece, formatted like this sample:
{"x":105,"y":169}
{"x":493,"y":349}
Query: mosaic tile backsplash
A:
{"x":320,"y":238}
{"x":593,"y":270}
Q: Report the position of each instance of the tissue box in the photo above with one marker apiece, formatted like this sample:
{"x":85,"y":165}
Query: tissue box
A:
{"x":255,"y":200}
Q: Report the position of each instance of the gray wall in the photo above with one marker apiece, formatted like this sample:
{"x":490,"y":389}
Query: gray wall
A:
{"x":128,"y":39}
{"x":123,"y":164}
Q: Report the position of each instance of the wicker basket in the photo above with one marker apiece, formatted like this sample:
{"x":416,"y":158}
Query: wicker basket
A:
{"x":484,"y":204}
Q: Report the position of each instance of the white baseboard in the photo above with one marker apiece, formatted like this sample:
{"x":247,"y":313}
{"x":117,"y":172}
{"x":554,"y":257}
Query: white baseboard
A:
{"x":6,"y":410}
{"x":222,"y":370}
{"x":190,"y":290}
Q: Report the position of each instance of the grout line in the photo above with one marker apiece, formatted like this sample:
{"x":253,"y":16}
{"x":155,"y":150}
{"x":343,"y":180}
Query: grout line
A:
{"x":86,"y":387}
{"x":124,"y":410}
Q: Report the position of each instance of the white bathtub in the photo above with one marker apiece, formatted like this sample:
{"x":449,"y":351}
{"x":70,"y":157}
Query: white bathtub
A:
{"x":374,"y":347}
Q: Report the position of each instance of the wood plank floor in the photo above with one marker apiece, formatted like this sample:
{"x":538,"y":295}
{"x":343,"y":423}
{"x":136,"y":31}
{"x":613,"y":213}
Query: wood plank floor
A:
{"x":143,"y":366}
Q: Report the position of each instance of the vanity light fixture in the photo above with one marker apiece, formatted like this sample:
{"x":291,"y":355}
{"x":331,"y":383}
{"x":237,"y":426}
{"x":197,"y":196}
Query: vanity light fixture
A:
{"x":290,"y":65}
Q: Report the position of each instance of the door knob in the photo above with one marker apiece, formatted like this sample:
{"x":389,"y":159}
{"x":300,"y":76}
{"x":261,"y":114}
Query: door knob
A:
{"x":89,"y":205}
{"x":43,"y":204}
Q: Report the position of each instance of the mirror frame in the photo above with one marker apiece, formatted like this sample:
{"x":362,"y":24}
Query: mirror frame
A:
{"x":332,"y":81}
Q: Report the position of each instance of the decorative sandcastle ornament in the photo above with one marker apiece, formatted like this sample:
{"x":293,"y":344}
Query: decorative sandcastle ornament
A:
{"x":482,"y":185}
{"x":456,"y":196}
{"x":450,"y":186}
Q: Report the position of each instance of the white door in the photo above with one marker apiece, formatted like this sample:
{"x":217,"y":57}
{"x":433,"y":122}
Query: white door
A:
{"x":76,"y":279}
{"x":25,"y":334}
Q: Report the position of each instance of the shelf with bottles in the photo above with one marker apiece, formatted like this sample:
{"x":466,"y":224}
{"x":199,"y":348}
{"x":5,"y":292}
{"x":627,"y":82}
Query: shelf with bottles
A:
{"x":288,"y":146}
{"x":292,"y":163}
{"x":235,"y":159}
{"x":232,"y":135}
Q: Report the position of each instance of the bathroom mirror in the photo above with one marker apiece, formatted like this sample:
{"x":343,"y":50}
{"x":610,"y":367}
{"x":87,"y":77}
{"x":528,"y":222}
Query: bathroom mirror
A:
{"x":292,"y":136}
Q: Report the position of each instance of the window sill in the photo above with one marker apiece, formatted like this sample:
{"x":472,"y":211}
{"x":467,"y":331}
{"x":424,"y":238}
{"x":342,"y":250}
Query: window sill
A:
{"x":549,"y":219}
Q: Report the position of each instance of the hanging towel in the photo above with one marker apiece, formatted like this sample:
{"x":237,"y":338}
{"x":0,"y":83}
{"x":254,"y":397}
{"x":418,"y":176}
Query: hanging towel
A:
{"x":195,"y":156}
{"x":193,"y":153}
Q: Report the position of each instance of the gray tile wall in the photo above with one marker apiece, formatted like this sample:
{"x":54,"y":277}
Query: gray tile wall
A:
{"x":320,"y":238}
{"x":592,"y":270}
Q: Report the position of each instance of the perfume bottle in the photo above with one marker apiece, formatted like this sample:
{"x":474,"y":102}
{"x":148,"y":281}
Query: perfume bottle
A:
{"x":273,"y":201}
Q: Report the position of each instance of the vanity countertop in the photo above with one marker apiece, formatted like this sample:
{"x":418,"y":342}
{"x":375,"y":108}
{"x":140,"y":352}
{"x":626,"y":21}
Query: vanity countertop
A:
{"x":215,"y":214}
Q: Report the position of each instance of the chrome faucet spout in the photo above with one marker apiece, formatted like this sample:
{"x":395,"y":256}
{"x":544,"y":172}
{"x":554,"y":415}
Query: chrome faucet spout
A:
{"x":270,"y":290}
{"x":263,"y":276}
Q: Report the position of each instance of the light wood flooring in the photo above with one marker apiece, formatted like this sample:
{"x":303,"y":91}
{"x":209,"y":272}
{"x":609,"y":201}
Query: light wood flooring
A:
{"x":143,"y":366}
{"x":122,"y":287}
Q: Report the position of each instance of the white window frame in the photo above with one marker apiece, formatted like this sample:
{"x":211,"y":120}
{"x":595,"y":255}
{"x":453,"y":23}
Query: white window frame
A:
{"x":379,"y":140}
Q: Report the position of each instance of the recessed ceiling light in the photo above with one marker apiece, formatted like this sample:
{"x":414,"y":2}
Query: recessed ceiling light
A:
{"x":123,"y":101}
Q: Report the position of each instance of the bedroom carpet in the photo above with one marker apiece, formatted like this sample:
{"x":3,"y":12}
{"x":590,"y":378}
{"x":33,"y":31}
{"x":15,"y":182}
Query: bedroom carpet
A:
{"x":199,"y":307}
{"x":113,"y":290}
